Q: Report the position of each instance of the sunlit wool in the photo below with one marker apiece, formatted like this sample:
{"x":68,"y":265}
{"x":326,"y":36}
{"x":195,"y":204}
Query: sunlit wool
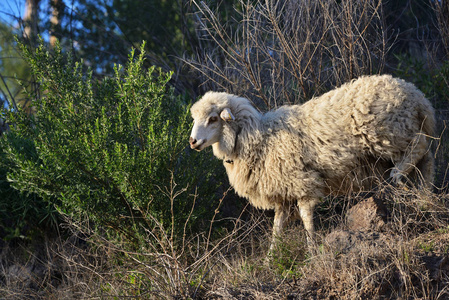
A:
{"x":373,"y":127}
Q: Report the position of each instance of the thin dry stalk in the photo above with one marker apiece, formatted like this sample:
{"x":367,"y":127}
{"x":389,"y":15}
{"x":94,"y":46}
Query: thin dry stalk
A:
{"x":442,"y":12}
{"x":288,"y":51}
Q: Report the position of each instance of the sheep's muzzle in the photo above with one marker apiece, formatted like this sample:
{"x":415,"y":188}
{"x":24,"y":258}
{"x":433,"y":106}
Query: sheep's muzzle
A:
{"x":194,"y":143}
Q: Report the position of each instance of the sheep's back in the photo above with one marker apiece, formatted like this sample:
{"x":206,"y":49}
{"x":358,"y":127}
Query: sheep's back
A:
{"x":333,"y":143}
{"x":360,"y":128}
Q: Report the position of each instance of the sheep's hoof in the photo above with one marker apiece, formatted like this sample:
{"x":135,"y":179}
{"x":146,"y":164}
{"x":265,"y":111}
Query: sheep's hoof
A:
{"x":267,"y":260}
{"x":312,"y":245}
{"x":396,"y":177}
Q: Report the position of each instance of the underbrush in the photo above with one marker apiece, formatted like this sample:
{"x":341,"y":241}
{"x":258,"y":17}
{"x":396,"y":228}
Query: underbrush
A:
{"x":407,"y":257}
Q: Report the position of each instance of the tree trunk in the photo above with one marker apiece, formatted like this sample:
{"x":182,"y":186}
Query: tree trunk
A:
{"x":57,"y":8}
{"x":31,"y":20}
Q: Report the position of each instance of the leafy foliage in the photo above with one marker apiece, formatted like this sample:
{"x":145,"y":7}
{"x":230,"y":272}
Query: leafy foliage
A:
{"x":433,"y":81}
{"x":12,"y":67}
{"x":110,"y":151}
{"x":22,"y":215}
{"x":105,"y":29}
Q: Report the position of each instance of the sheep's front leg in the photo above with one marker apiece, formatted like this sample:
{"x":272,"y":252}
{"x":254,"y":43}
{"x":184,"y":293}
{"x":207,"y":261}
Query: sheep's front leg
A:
{"x":280,"y":217}
{"x":306,"y":207}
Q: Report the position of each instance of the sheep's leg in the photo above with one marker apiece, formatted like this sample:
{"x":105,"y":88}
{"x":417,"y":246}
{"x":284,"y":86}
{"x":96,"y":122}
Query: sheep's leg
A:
{"x":417,"y":151}
{"x":426,"y":168}
{"x":280,"y":217}
{"x":306,"y":207}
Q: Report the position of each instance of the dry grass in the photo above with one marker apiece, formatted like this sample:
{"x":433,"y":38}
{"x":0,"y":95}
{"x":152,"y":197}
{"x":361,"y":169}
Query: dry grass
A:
{"x":407,"y":259}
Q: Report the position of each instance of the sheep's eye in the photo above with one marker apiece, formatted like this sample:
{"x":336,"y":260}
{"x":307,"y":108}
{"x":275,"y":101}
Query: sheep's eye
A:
{"x":213,"y":119}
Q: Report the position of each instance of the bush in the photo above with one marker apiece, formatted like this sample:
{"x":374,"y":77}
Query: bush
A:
{"x":110,"y":151}
{"x":22,"y":215}
{"x":432,"y":80}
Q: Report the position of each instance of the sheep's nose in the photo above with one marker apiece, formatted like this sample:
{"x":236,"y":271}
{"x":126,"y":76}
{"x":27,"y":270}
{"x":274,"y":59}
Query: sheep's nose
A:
{"x":192,"y":141}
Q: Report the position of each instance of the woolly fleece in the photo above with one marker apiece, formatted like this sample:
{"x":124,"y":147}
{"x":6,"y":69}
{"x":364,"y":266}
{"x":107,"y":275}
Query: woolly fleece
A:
{"x":373,"y":127}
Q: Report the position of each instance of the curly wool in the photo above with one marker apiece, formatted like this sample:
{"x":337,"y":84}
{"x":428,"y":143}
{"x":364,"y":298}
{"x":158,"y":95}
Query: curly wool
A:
{"x":373,"y":127}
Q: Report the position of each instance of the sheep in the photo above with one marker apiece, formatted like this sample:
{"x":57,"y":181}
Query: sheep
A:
{"x":373,"y":127}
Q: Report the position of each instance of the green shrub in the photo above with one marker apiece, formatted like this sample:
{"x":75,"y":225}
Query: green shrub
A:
{"x":110,"y":151}
{"x":22,"y":215}
{"x":433,"y":82}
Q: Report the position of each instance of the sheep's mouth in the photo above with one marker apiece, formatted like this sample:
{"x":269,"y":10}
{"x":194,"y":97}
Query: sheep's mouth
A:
{"x":198,"y":146}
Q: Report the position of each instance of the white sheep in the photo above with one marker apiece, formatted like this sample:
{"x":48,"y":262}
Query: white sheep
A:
{"x":373,"y":127}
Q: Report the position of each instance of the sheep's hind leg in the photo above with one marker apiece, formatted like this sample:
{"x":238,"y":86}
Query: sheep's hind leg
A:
{"x":306,"y":207}
{"x":426,"y":170}
{"x":417,"y":151}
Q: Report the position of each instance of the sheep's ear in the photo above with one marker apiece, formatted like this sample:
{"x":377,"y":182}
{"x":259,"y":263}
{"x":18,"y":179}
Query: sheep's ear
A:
{"x":226,"y":115}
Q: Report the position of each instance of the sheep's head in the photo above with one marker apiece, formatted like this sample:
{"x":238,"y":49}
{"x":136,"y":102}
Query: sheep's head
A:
{"x":220,"y":121}
{"x":207,"y":127}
